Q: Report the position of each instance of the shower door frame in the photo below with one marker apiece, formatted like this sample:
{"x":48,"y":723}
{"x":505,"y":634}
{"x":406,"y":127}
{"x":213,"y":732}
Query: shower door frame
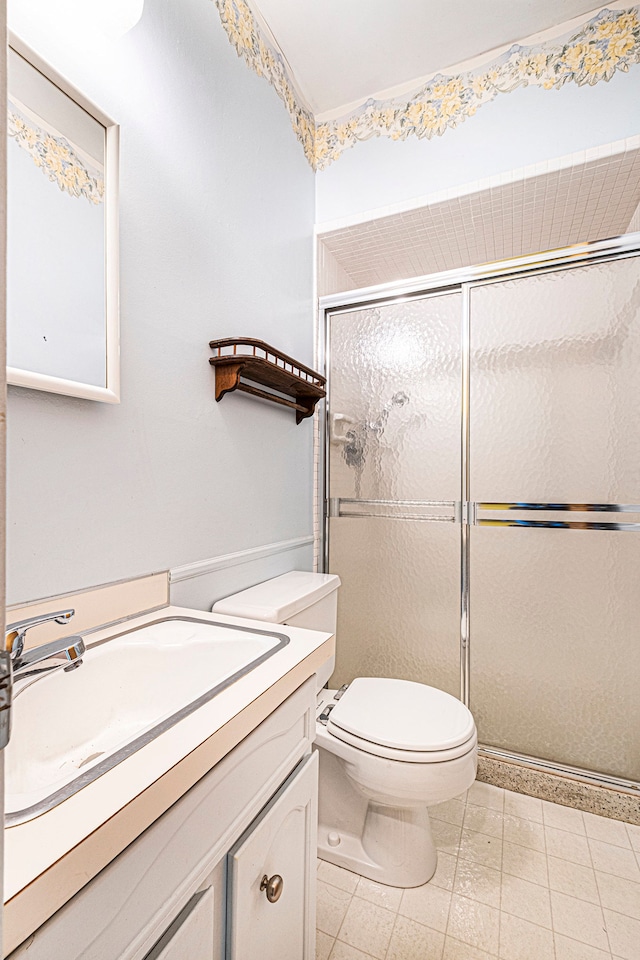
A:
{"x":463,"y":279}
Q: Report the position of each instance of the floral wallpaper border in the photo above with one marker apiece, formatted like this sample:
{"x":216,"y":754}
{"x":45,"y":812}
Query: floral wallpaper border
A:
{"x":251,"y":44}
{"x":55,"y":156}
{"x":608,"y":42}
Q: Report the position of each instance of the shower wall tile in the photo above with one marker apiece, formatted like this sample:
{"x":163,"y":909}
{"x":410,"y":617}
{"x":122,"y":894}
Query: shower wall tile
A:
{"x":332,"y":277}
{"x":586,"y":196}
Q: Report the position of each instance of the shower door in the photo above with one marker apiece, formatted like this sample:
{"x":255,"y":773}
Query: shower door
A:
{"x":484,"y":497}
{"x":554,"y":468}
{"x":394,"y":467}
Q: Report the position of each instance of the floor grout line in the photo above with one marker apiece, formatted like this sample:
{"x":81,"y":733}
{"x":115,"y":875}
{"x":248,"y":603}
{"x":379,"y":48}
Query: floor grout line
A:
{"x":598,"y":889}
{"x":386,"y":953}
{"x":546,"y":863}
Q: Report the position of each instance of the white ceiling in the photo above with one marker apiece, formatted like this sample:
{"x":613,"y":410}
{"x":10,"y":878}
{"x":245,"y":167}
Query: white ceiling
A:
{"x":345,"y":51}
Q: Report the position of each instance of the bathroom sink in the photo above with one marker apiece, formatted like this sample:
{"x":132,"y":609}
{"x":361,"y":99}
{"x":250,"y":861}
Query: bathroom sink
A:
{"x":70,"y":728}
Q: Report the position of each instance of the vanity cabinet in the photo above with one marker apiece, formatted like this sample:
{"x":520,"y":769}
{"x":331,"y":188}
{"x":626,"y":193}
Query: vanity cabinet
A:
{"x":192,"y":933}
{"x":189,"y":887}
{"x":271,"y":872}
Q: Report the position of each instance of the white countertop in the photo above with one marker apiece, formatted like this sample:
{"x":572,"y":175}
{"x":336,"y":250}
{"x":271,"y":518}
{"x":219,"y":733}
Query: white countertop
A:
{"x":33,"y":847}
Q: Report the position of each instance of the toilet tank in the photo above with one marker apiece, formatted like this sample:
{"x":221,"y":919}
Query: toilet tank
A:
{"x":298,"y":598}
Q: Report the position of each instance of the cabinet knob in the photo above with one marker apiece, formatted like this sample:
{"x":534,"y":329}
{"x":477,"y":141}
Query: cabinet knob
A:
{"x":273,"y":887}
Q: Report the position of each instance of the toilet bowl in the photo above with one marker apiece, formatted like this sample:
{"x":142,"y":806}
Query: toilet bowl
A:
{"x":388,"y":748}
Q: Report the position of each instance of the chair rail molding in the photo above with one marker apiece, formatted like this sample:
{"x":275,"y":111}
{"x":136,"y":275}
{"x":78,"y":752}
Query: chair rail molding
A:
{"x":202,"y":567}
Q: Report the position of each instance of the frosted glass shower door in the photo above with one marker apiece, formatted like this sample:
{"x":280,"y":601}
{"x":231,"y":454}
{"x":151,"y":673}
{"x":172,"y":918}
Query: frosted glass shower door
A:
{"x":394,"y":463}
{"x":555,"y":554}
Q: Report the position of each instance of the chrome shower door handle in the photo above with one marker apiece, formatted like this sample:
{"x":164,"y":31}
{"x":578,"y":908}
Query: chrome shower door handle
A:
{"x":335,"y":436}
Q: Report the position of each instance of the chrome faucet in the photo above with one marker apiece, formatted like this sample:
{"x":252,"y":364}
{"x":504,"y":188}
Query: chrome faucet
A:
{"x":67,"y":651}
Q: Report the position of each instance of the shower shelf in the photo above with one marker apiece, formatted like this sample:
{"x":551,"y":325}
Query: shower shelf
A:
{"x":238,"y":360}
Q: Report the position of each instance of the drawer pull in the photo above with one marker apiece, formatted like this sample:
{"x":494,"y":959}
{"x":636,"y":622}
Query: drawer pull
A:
{"x":273,"y":886}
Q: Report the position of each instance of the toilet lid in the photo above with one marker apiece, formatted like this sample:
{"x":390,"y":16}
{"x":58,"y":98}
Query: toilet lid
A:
{"x":402,"y":714}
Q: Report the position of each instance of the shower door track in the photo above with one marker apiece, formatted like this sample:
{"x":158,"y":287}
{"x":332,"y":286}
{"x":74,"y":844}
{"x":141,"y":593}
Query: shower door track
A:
{"x":465,"y":511}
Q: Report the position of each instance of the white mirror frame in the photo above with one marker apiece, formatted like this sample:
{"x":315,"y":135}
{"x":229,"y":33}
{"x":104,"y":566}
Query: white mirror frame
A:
{"x":73,"y":388}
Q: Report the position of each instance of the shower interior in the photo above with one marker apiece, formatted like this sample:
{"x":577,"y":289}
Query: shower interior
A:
{"x":483,"y":498}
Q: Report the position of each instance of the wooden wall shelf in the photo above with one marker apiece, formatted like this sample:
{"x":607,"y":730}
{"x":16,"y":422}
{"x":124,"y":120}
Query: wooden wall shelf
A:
{"x":240,"y":359}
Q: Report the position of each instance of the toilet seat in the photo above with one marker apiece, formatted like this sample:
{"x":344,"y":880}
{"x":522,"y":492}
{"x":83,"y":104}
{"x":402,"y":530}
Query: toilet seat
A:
{"x":403,"y":756}
{"x":402,"y":720}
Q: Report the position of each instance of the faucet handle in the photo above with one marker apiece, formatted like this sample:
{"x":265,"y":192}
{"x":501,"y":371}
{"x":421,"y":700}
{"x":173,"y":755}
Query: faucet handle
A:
{"x":6,"y":696}
{"x":16,"y":632}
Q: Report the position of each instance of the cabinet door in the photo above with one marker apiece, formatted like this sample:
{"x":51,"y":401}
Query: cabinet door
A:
{"x":281,"y":842}
{"x":191,"y":933}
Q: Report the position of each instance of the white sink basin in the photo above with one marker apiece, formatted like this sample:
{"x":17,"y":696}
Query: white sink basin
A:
{"x":70,"y":728}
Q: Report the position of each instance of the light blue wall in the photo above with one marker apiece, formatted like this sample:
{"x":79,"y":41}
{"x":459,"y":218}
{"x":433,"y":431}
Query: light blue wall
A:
{"x":527,"y":126}
{"x":217,"y":209}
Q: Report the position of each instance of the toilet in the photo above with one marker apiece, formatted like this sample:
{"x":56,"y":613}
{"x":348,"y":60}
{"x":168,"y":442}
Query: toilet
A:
{"x":388,"y":749}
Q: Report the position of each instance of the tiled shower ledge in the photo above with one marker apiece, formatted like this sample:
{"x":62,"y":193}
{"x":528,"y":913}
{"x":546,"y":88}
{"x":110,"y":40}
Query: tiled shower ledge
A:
{"x":518,"y":878}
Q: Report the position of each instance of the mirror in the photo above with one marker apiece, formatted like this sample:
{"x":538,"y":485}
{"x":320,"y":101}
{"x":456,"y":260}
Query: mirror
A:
{"x":62,"y":243}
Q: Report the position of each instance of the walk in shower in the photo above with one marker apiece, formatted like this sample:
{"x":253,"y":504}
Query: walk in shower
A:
{"x":482,"y":489}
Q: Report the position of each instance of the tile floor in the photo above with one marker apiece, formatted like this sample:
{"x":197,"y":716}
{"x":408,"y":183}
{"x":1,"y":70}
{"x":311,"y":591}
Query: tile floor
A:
{"x":517,"y":878}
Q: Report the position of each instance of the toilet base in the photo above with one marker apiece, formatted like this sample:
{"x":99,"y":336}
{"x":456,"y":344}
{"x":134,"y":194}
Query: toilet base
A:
{"x":395,"y":848}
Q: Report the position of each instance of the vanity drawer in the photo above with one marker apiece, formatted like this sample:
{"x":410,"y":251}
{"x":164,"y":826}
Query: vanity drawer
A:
{"x":123,"y":911}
